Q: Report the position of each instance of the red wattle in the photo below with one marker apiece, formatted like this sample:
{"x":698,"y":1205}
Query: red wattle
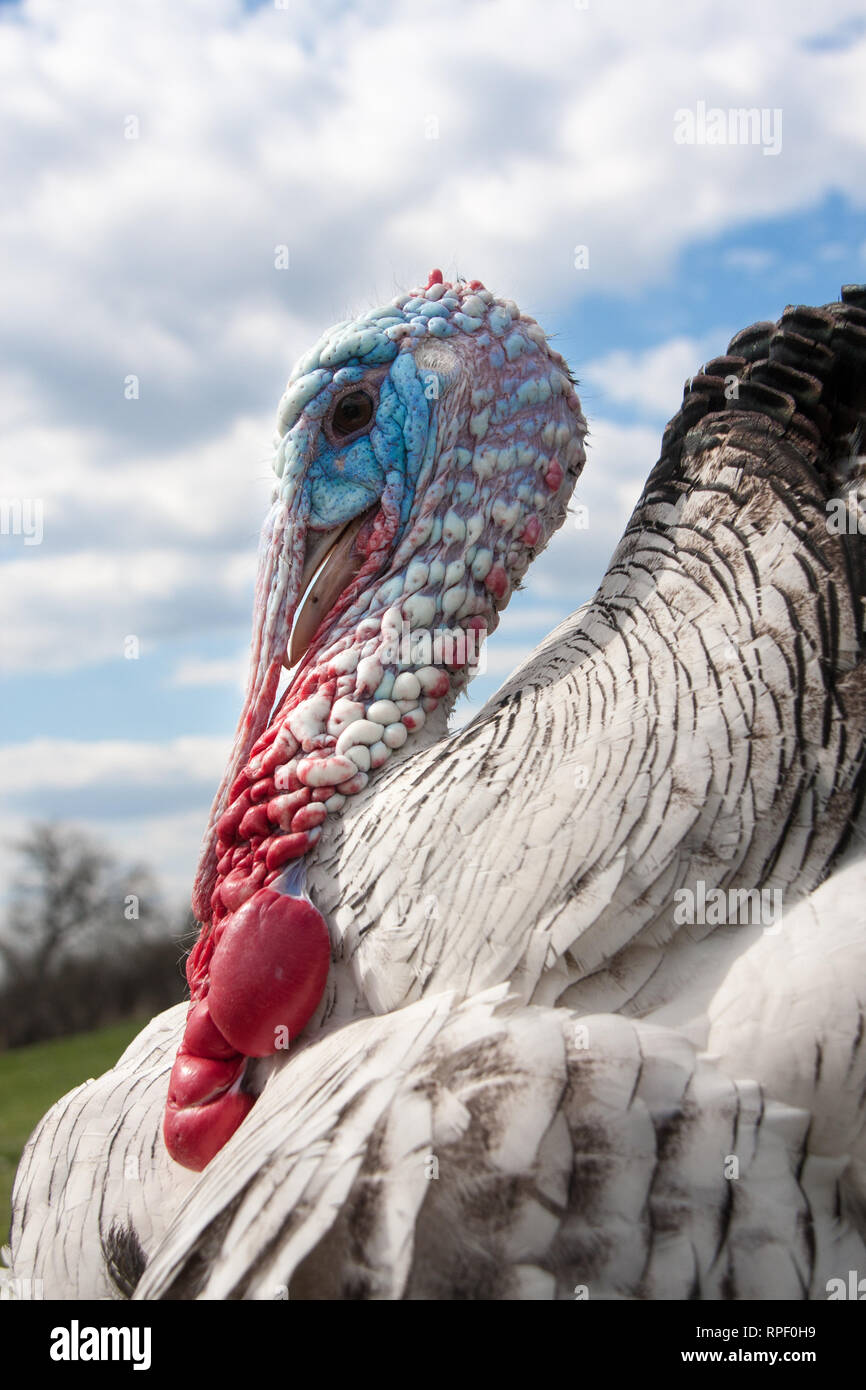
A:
{"x":194,"y":1133}
{"x":268,"y":972}
{"x":199,"y":1080}
{"x":238,"y":886}
{"x":202,"y":1037}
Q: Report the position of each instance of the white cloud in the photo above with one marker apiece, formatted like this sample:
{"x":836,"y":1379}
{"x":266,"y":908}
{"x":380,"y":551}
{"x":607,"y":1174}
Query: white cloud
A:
{"x":266,"y":127}
{"x":651,"y":380}
{"x":157,"y":544}
{"x":123,"y":792}
{"x":70,"y":764}
{"x":307,"y":127}
{"x":754,"y":260}
{"x":61,"y":612}
{"x":155,"y":255}
{"x":197,"y":671}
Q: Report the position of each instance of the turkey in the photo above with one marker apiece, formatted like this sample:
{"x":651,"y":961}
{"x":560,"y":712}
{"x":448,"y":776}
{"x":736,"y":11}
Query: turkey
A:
{"x":568,"y":1002}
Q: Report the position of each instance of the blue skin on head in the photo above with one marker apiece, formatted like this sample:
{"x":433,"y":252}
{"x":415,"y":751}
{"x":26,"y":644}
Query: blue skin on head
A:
{"x":344,"y":477}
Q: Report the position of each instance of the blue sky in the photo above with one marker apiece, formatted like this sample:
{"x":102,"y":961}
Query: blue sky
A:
{"x":375,"y":141}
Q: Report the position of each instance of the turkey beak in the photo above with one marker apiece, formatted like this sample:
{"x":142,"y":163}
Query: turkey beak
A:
{"x":330,"y":565}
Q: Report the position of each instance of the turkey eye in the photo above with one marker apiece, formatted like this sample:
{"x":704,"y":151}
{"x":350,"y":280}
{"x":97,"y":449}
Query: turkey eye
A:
{"x":352,"y":413}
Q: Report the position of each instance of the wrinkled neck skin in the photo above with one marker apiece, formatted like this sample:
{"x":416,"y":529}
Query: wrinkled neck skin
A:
{"x":439,"y":564}
{"x":434,"y":513}
{"x":708,"y":697}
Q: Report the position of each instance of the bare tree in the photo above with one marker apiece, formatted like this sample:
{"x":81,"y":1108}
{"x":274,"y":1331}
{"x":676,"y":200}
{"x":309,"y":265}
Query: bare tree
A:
{"x":68,"y":888}
{"x":87,"y":939}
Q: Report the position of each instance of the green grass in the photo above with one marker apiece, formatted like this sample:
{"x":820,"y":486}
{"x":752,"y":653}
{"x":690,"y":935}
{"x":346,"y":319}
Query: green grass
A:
{"x":33,"y":1078}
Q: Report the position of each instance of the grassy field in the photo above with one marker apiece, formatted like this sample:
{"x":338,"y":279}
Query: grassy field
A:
{"x":33,"y":1078}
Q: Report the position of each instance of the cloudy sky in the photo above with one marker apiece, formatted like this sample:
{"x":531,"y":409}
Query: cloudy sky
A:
{"x":155,"y":153}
